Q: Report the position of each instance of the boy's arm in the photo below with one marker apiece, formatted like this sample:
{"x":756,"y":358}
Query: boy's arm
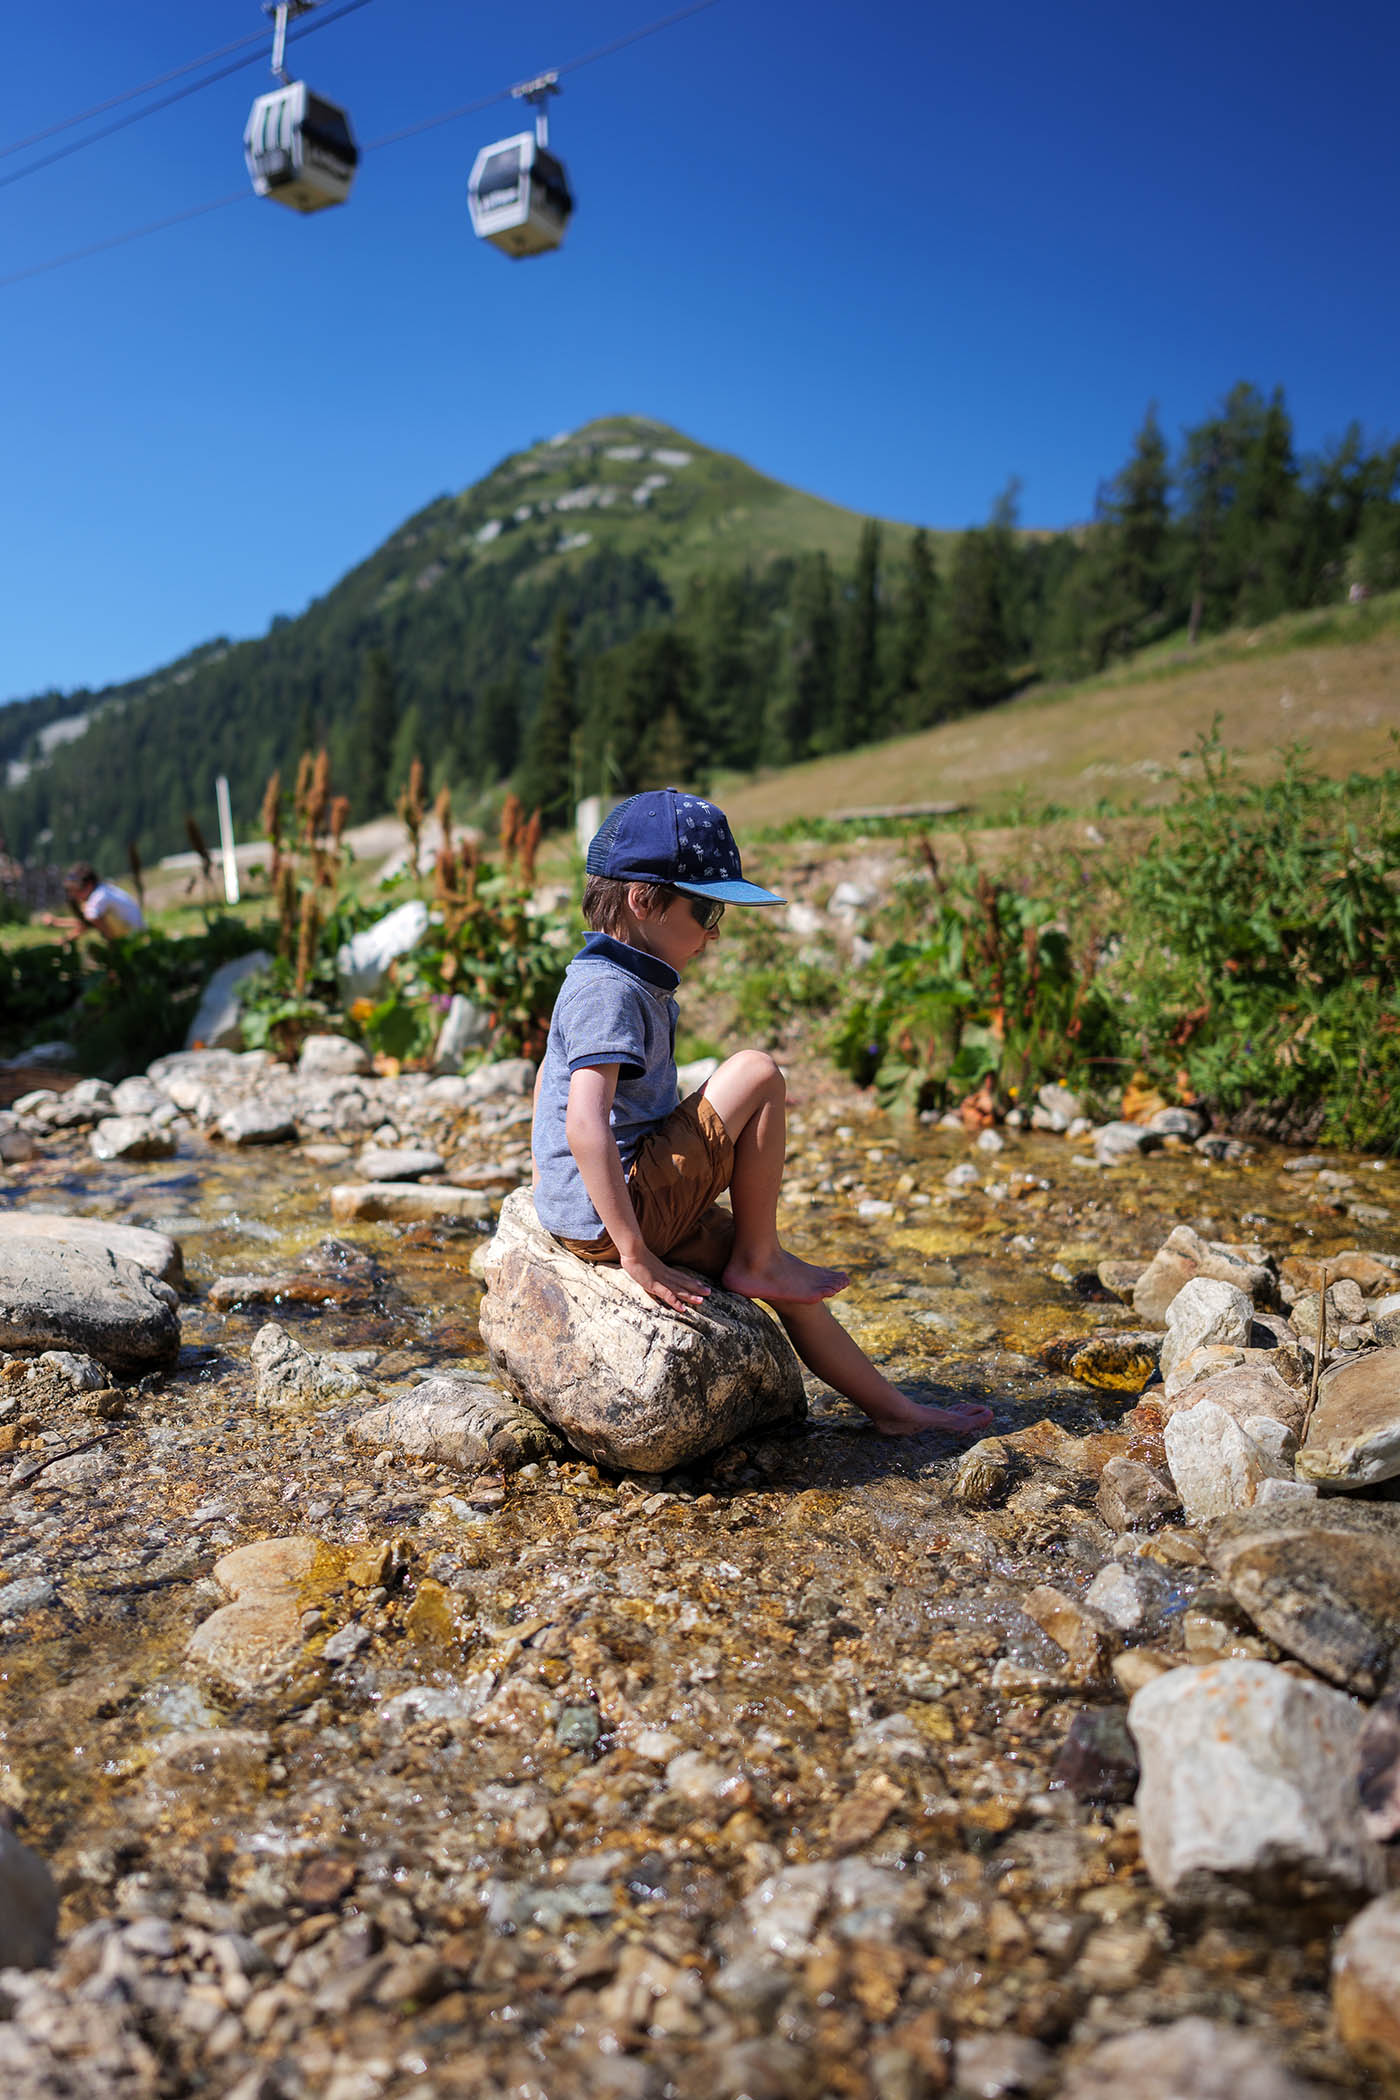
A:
{"x":594,"y":1147}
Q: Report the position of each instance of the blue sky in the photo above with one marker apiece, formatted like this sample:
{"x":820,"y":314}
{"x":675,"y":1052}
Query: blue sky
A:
{"x":894,"y":256}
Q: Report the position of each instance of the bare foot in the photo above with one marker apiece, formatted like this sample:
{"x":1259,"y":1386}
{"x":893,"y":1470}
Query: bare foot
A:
{"x":784,"y":1280}
{"x":905,"y":1417}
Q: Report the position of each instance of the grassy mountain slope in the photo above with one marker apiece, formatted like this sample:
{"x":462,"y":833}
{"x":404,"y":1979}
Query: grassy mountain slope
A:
{"x":1330,"y":680}
{"x":611,"y":522}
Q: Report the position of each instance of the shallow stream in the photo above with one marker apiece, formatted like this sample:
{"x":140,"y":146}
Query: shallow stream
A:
{"x":736,"y":1782}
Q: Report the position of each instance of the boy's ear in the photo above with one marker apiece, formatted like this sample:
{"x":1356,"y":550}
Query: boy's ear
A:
{"x":638,"y":902}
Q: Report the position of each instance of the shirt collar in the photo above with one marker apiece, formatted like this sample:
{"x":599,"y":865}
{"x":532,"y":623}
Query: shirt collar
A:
{"x":601,"y":947}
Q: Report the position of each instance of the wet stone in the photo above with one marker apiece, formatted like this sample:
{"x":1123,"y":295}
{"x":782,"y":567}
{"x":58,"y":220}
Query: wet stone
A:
{"x":131,"y":1137}
{"x":28,"y":1906}
{"x":257,"y":1123}
{"x":406,"y":1201}
{"x":1366,"y":1988}
{"x":1098,"y":1759}
{"x":1135,"y":1497}
{"x":467,"y":1424}
{"x":1193,"y":2057}
{"x":1322,"y":1579}
{"x":1354,"y":1436}
{"x":1379,"y":1771}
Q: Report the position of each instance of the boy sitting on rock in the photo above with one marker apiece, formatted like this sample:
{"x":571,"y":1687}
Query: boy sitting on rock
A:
{"x":623,"y":1174}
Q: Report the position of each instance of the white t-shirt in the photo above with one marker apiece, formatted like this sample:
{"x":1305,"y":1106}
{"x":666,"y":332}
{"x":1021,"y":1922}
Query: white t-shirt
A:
{"x":112,"y":910}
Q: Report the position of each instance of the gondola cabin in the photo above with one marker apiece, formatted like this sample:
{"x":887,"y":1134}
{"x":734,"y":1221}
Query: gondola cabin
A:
{"x":299,"y":149}
{"x":519,"y":196}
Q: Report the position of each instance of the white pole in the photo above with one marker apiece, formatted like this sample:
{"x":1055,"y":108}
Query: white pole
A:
{"x":226,"y":840}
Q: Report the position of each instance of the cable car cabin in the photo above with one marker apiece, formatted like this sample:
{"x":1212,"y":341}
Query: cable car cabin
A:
{"x":299,"y":149}
{"x":519,"y":196}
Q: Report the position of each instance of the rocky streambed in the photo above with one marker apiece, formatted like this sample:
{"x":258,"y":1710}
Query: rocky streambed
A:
{"x":370,"y":1744}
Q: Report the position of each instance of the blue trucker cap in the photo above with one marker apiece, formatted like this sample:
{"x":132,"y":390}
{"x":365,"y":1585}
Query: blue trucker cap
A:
{"x":665,"y":835}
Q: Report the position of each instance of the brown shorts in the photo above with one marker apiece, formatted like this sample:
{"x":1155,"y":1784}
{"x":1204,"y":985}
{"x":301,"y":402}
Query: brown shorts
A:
{"x":679,"y":1170}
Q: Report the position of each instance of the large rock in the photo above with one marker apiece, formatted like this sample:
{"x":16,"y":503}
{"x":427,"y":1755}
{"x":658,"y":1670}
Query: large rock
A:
{"x":28,"y":1906}
{"x":465,"y":1027}
{"x":626,"y":1381}
{"x":1244,"y":1389}
{"x":1192,"y":2059}
{"x":1219,"y":1464}
{"x":1354,"y":1436}
{"x":363,"y":962}
{"x":1322,"y":1578}
{"x":1184,"y":1255}
{"x":458,"y":1422}
{"x":405,"y":1202}
{"x":218,"y":1021}
{"x":151,"y":1251}
{"x":258,"y":1123}
{"x":398,"y":1162}
{"x":333,"y":1056}
{"x":1248,"y":1788}
{"x":1366,"y":1988}
{"x":1206,"y":1310}
{"x":55,"y":1295}
{"x":131,"y":1137}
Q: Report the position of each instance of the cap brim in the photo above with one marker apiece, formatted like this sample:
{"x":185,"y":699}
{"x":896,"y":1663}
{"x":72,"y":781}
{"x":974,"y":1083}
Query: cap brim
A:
{"x":739,"y":892}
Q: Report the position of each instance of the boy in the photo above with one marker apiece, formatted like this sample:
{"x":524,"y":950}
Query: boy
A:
{"x":623,"y":1174}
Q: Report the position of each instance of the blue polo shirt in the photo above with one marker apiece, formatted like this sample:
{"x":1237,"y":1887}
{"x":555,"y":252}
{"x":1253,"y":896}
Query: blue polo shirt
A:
{"x":616,"y":1007}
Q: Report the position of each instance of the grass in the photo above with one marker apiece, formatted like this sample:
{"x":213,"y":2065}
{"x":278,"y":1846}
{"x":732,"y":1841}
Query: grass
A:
{"x":1330,"y":680}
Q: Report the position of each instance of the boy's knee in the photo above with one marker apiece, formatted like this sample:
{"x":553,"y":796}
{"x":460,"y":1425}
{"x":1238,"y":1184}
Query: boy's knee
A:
{"x":755,"y":1068}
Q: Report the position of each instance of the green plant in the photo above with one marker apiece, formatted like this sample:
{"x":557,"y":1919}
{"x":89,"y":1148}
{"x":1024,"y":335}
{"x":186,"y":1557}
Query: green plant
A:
{"x":1262,"y":951}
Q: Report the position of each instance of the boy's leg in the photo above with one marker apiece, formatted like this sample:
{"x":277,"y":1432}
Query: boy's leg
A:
{"x":750,"y":1095}
{"x":825,"y":1347}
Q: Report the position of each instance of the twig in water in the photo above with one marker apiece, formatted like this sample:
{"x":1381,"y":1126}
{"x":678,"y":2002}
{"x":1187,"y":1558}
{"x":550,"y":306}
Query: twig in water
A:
{"x":1319,"y":1351}
{"x":23,"y":1474}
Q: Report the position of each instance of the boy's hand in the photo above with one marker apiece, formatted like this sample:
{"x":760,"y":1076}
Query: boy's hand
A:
{"x":673,"y":1287}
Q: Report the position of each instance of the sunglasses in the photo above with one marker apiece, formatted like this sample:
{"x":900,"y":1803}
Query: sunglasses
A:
{"x":706,"y":912}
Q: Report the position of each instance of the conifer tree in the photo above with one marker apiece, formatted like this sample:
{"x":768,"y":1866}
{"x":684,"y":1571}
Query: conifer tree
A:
{"x":913,"y":633}
{"x":545,"y":778}
{"x":371,"y":741}
{"x":857,"y":674}
{"x":970,"y":657}
{"x":803,"y":701}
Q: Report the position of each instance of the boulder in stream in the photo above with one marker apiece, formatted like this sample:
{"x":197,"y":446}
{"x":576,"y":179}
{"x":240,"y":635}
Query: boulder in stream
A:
{"x":463,"y":1422}
{"x":1184,"y":1255}
{"x":1248,"y":1791}
{"x":627,"y":1382}
{"x":151,"y":1251}
{"x":1322,"y":1578}
{"x":1354,"y":1436}
{"x":28,"y":1906}
{"x":56,"y":1295}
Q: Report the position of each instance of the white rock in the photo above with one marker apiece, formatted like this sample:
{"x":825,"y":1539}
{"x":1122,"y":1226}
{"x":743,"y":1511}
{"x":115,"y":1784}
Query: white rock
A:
{"x":218,"y":1021}
{"x":962,"y":1176}
{"x":398,"y":1163}
{"x":151,"y":1251}
{"x":456,"y":1422}
{"x":510,"y":1075}
{"x":406,"y":1201}
{"x":138,"y":1097}
{"x":465,"y":1027}
{"x":1117,"y":1141}
{"x":991,"y":1141}
{"x":1206,"y":1310}
{"x":1248,"y":1786}
{"x":690,"y":1078}
{"x":1218,"y":1464}
{"x":130,"y":1137}
{"x":805,"y":921}
{"x":333,"y":1056}
{"x":258,"y":1123}
{"x":1191,"y":2059}
{"x":362,"y":962}
{"x":1133,"y":1595}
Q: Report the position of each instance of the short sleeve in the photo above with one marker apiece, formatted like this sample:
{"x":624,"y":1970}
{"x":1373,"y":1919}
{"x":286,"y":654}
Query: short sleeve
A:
{"x":602,"y":1021}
